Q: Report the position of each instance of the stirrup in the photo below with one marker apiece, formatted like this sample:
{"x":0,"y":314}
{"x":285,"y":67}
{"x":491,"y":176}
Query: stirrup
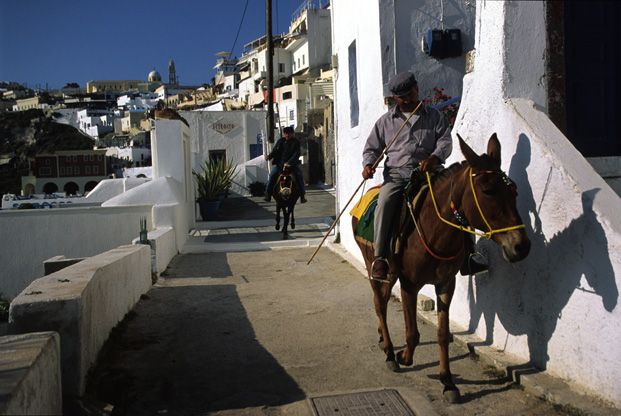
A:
{"x":379,"y":279}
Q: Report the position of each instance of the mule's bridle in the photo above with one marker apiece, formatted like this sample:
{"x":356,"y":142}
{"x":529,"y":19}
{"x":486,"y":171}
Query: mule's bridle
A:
{"x":468,"y":229}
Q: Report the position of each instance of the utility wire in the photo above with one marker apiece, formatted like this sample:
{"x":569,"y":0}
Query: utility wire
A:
{"x":239,"y":28}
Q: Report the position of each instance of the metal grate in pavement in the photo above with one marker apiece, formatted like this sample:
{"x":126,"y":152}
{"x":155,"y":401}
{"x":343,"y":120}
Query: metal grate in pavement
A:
{"x":376,"y":403}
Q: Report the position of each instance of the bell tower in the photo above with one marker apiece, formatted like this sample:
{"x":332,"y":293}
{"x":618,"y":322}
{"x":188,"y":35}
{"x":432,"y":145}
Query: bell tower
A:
{"x":172,"y":73}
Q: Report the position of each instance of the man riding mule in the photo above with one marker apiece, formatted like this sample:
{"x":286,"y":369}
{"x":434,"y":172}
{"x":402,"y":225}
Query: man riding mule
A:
{"x":424,"y":143}
{"x":286,"y":152}
{"x":464,"y":198}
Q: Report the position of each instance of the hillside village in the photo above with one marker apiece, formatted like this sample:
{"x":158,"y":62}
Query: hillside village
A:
{"x":115,"y":113}
{"x":124,"y":296}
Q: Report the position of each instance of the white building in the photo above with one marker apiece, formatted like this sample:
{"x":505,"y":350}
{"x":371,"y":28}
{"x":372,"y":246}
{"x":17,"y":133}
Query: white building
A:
{"x":309,"y":39}
{"x":233,"y":135}
{"x":138,"y":102}
{"x":95,"y":123}
{"x":558,"y":308}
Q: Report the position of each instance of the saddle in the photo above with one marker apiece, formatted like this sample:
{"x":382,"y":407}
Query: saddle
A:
{"x":364,"y":211}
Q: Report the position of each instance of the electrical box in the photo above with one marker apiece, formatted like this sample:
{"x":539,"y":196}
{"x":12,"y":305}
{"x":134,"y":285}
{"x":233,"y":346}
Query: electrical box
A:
{"x":442,"y":43}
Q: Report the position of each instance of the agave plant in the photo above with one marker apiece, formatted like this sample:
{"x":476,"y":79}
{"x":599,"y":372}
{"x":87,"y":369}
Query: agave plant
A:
{"x":214,"y":178}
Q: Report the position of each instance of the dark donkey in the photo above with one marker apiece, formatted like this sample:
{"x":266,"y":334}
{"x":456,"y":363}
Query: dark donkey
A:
{"x":433,"y":249}
{"x":286,"y":194}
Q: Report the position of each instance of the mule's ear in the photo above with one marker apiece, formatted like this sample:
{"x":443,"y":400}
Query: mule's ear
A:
{"x":469,"y":154}
{"x":493,"y":148}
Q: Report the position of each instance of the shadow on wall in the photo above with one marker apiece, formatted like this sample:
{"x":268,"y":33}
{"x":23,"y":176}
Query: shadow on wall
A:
{"x":531,"y":299}
{"x":200,"y":356}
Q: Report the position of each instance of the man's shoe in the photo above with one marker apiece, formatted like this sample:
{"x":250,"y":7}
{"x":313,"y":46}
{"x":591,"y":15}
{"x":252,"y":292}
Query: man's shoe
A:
{"x":302,"y":199}
{"x":379,"y":268}
{"x":472,"y":266}
{"x":267,"y":198}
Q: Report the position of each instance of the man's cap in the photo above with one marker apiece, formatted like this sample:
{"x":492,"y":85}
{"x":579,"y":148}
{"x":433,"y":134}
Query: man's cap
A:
{"x":402,"y":83}
{"x":287,"y":129}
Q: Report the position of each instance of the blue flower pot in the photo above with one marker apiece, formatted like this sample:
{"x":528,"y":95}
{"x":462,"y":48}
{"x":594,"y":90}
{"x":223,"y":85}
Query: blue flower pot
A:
{"x":209,"y":209}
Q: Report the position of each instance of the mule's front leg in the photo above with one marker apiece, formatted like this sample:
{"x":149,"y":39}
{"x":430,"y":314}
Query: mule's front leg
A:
{"x":444,"y":296}
{"x":381,"y":295}
{"x":278,"y":217}
{"x":412,"y":335}
{"x":285,"y":222}
{"x":292,"y":216}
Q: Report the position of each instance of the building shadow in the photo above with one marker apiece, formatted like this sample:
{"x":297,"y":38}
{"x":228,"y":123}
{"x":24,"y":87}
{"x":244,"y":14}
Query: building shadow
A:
{"x":200,"y":356}
{"x":193,"y":265}
{"x":528,"y":297}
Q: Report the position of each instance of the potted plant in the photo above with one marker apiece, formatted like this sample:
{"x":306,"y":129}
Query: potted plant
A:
{"x":213,"y":180}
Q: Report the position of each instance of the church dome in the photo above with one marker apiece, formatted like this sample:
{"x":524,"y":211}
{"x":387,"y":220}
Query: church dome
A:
{"x":154,"y":76}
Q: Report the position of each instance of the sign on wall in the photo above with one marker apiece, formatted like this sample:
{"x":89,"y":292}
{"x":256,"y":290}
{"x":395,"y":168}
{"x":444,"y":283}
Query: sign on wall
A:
{"x":223,"y":126}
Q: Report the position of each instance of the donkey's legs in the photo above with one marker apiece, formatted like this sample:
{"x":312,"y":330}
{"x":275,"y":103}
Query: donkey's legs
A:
{"x":292,"y":207}
{"x":412,"y":335}
{"x":381,"y":296}
{"x":444,"y":296}
{"x":285,"y":222}
{"x":278,"y":207}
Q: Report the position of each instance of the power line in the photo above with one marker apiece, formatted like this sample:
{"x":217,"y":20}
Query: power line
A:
{"x":239,"y":28}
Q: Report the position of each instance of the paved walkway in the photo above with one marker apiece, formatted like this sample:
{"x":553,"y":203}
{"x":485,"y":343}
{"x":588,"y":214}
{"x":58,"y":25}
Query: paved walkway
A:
{"x":232,"y":332}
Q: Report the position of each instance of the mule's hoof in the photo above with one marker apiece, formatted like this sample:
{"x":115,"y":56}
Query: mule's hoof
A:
{"x":451,"y":395}
{"x":380,"y":344}
{"x":293,"y":226}
{"x":392,"y":366}
{"x":277,"y":226}
{"x":402,"y":361}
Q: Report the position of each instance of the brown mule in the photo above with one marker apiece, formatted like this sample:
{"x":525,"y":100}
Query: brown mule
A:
{"x":286,"y":194}
{"x":486,"y":198}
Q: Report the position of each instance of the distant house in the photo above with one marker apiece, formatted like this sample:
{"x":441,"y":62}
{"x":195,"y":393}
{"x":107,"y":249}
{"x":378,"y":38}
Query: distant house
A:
{"x":71,"y":171}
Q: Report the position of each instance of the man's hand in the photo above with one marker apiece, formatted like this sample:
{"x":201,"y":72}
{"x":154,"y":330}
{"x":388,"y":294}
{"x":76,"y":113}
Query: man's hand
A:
{"x":429,"y":163}
{"x":368,"y":172}
{"x":287,"y":164}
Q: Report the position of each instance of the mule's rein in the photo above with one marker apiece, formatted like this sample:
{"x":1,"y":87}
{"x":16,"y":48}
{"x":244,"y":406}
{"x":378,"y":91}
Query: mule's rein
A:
{"x":461,"y":227}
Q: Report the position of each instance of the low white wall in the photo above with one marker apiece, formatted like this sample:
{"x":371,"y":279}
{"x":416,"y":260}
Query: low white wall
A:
{"x":31,"y":236}
{"x":163,"y":247}
{"x":30,"y":374}
{"x":83,"y":303}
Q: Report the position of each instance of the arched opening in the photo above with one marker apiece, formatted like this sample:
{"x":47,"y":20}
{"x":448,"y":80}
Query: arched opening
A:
{"x":71,"y":188}
{"x":50,"y":188}
{"x":141,"y":175}
{"x":90,"y":185}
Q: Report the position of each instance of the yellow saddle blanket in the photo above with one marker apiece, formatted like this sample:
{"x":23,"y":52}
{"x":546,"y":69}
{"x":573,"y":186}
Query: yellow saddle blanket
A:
{"x":359,"y":209}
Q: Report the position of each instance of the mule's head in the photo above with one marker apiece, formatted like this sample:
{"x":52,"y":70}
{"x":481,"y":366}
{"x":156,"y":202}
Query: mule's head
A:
{"x":490,"y":202}
{"x":286,"y":184}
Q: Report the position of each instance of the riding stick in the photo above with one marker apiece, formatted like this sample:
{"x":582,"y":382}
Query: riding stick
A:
{"x":377,"y":161}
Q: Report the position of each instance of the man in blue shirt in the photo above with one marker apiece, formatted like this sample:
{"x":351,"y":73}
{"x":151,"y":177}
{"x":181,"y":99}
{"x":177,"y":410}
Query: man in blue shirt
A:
{"x":286,"y":152}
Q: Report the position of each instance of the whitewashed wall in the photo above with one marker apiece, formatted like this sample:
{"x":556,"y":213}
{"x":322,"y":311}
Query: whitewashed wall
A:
{"x":559,"y":307}
{"x":387,"y":35}
{"x":31,"y":236}
{"x":247,"y":128}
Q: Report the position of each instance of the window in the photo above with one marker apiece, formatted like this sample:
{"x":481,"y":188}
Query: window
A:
{"x":87,"y":170}
{"x":76,"y":170}
{"x":298,"y":62}
{"x":353,"y":85}
{"x":217,"y":154}
{"x":303,"y":59}
{"x":47,"y":161}
{"x":286,"y":95}
{"x":281,"y":67}
{"x":291,"y":115}
{"x":95,"y":170}
{"x":61,"y":171}
{"x":45,"y":171}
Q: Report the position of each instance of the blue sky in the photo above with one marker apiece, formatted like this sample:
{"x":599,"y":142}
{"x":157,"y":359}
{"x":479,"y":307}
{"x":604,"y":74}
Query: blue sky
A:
{"x":60,"y":41}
